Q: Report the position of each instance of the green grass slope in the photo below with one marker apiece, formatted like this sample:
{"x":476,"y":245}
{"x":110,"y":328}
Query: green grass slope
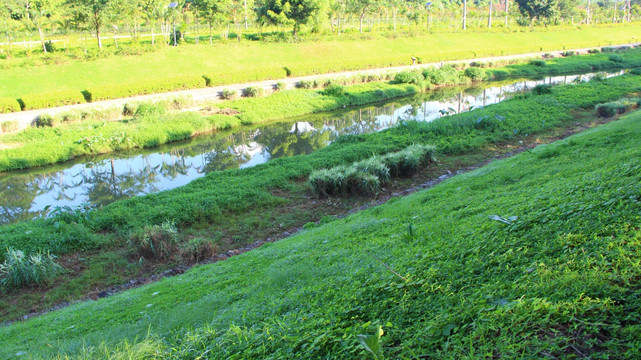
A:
{"x":436,"y":269}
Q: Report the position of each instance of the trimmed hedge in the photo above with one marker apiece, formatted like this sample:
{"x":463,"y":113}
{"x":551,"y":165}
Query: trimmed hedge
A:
{"x":8,"y":105}
{"x":48,"y":100}
{"x":145,"y":88}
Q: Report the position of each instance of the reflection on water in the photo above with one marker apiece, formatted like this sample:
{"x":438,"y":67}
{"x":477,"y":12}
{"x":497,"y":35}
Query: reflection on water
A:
{"x":103,"y":179}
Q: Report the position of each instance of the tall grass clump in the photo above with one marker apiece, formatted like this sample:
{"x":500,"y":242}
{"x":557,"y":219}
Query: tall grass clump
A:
{"x":9,"y":126}
{"x":156,"y":241}
{"x":20,"y":270}
{"x":475,"y":74}
{"x":228,"y":94}
{"x":408,"y":162}
{"x":614,"y":108}
{"x":446,"y":75}
{"x":366,"y":176}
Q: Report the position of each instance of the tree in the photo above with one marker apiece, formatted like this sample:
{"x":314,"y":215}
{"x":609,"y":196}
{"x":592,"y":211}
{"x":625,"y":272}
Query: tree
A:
{"x":151,"y":11}
{"x":95,"y":13}
{"x":34,"y":14}
{"x":537,"y":9}
{"x":288,"y":12}
{"x":361,"y":7}
{"x":212,"y":11}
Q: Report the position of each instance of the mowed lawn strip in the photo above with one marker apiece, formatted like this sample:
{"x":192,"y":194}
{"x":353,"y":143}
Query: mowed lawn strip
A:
{"x":252,"y":61}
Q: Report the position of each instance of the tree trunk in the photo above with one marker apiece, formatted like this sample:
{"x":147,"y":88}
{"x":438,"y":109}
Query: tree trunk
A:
{"x":489,"y":17}
{"x":211,"y":37}
{"x":507,"y":12}
{"x":98,"y":37}
{"x":153,"y":36}
{"x":589,"y":16}
{"x":360,"y":28}
{"x":464,"y":14}
{"x":42,"y":39}
{"x":394,"y":16}
{"x":338,"y":25}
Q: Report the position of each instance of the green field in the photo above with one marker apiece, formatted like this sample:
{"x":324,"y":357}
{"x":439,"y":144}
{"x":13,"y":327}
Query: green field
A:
{"x":249,"y":61}
{"x":529,"y":257}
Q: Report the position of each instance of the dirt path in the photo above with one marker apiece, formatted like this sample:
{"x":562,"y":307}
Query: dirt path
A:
{"x":25,"y":118}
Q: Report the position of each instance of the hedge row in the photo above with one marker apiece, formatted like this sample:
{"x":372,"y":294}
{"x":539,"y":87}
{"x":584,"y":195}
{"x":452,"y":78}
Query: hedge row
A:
{"x":8,"y":105}
{"x":144,"y":88}
{"x":47,"y":100}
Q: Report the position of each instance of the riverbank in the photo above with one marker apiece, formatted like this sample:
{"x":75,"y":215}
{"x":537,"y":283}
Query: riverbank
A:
{"x":509,"y":260}
{"x":234,"y":208}
{"x":69,"y":139}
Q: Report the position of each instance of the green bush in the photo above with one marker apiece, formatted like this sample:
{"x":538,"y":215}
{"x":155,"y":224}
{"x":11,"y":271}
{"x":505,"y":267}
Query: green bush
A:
{"x":537,"y":62}
{"x":49,"y":46}
{"x":47,"y":100}
{"x":20,"y":270}
{"x":568,"y":53}
{"x":611,"y":109}
{"x":408,"y":77}
{"x":228,"y":94}
{"x":475,"y":74}
{"x":45,"y":120}
{"x":446,"y":75}
{"x":305,"y":84}
{"x":374,"y":166}
{"x":253,"y":91}
{"x":280,"y":86}
{"x":594,"y":51}
{"x":155,"y":242}
{"x":615,"y":58}
{"x":636,"y":71}
{"x":145,"y":87}
{"x":8,"y":105}
{"x":334,"y":90}
{"x":542,"y":89}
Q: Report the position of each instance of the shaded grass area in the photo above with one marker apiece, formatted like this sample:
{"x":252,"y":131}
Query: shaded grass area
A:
{"x":49,"y":145}
{"x":219,"y":195}
{"x":556,"y":276}
{"x":250,"y":61}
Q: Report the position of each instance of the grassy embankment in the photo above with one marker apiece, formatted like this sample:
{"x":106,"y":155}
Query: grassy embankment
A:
{"x":233,"y":208}
{"x":166,"y":70}
{"x":152,"y":127}
{"x":556,"y":277}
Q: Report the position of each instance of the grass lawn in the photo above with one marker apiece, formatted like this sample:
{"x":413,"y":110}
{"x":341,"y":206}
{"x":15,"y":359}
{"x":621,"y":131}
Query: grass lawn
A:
{"x":248,"y":61}
{"x":529,"y":257}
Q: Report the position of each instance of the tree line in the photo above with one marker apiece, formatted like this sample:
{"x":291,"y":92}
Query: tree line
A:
{"x":172,"y":17}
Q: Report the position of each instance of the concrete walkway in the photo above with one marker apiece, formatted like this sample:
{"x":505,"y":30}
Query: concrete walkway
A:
{"x":26,"y":118}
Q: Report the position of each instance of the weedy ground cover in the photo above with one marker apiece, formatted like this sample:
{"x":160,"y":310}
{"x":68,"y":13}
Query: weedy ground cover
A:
{"x":532,"y":256}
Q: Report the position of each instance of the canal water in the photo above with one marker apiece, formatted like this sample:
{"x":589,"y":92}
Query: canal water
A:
{"x":100,"y":180}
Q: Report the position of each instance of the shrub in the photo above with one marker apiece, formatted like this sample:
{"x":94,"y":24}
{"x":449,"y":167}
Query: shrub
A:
{"x":47,"y":100}
{"x":408,"y":77}
{"x":537,"y":62}
{"x":197,"y":249}
{"x":155,"y":242}
{"x":542,"y":89}
{"x":129,"y":109}
{"x":567,"y":53}
{"x":228,"y":94}
{"x":446,"y":75}
{"x":475,"y":74}
{"x":615,"y":58}
{"x":334,"y":90}
{"x":20,"y":270}
{"x":612,"y":109}
{"x":49,"y":46}
{"x":8,"y":105}
{"x":150,"y":110}
{"x":280,"y":86}
{"x":288,"y":72}
{"x":305,"y":84}
{"x":636,"y":71}
{"x":253,"y":91}
{"x":44,"y":120}
{"x":594,"y":51}
{"x":9,"y":126}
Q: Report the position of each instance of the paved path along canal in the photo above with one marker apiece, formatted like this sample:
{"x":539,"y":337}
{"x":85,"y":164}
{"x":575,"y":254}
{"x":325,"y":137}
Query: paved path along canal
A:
{"x":25,"y":118}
